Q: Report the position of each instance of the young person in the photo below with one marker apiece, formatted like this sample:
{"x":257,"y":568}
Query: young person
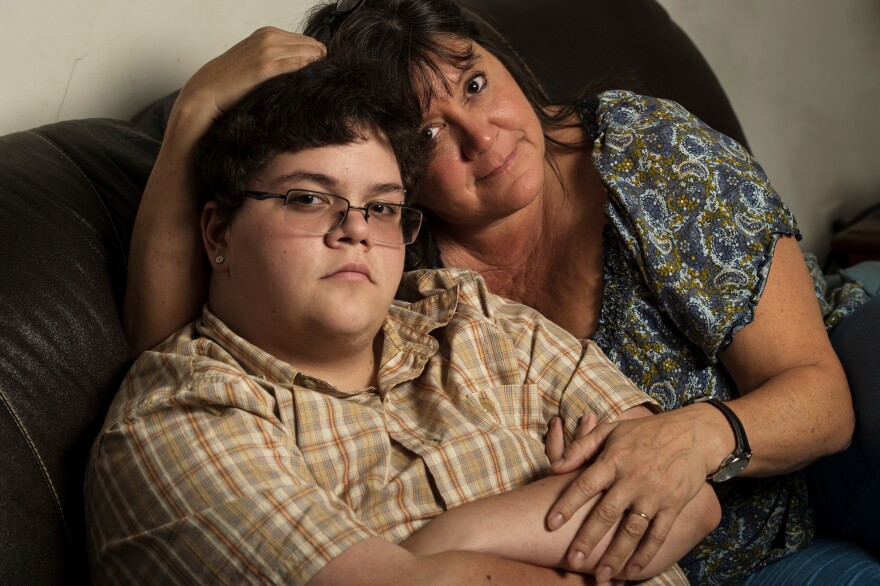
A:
{"x":309,"y":427}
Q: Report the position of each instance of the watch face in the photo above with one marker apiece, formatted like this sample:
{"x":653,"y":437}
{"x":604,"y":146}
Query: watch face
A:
{"x":733,"y":467}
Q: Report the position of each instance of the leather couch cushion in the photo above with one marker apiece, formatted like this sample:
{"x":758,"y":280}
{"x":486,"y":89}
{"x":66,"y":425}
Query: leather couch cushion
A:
{"x":68,"y":196}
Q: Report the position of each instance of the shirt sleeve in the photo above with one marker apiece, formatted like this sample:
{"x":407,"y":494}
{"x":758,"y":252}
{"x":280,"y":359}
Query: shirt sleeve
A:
{"x":695,"y":211}
{"x":196,"y":480}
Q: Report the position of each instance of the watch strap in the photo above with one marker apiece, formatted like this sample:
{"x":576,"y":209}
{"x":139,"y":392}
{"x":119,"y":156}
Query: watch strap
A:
{"x":742,"y":449}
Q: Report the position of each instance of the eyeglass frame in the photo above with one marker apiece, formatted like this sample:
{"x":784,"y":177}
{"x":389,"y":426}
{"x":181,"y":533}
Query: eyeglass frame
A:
{"x":263,"y":195}
{"x":324,"y":31}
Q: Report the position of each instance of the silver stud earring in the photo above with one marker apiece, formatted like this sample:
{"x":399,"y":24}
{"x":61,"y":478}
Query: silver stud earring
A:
{"x":220,"y":259}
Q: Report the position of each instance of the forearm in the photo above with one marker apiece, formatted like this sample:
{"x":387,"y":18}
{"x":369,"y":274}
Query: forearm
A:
{"x":512,"y":525}
{"x":167,"y":273}
{"x":374,"y":561}
{"x":795,"y":402}
{"x":795,"y":418}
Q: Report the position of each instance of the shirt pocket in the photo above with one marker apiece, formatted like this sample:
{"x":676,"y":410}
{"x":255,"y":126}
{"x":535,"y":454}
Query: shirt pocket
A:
{"x":514,"y":407}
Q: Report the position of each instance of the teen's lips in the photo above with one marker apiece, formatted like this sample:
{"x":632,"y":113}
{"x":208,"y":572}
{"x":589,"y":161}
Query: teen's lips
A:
{"x":505,"y":164}
{"x":352,"y":271}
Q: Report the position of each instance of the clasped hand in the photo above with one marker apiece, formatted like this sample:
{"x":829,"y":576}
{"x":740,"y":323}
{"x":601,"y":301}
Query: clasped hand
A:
{"x":644,"y":471}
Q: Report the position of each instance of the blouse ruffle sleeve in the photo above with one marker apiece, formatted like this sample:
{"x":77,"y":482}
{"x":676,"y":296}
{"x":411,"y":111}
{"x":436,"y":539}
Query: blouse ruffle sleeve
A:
{"x":695,"y":211}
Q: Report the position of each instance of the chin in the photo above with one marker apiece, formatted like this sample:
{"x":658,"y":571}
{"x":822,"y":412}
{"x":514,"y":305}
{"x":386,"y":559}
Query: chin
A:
{"x":350,"y":322}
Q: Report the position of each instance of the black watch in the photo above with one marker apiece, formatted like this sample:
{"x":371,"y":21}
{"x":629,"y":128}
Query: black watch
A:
{"x":739,"y":459}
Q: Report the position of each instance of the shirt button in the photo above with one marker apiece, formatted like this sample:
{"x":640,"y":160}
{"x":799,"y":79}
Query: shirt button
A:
{"x":310,"y":384}
{"x":487,"y":405}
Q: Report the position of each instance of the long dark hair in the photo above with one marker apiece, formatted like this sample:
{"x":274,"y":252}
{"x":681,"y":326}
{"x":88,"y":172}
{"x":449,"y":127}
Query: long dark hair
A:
{"x":410,"y":37}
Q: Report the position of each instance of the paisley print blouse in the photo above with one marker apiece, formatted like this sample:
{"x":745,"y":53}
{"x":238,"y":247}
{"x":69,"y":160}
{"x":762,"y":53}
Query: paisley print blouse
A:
{"x":693,"y":222}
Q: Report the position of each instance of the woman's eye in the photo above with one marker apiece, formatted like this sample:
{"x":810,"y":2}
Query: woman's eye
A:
{"x":476,"y":84}
{"x":430,"y":132}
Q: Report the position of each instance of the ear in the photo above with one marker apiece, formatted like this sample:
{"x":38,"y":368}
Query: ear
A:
{"x":215,"y":229}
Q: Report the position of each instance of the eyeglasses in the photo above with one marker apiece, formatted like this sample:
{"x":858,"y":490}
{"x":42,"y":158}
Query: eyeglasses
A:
{"x":342,"y":8}
{"x":321,"y":213}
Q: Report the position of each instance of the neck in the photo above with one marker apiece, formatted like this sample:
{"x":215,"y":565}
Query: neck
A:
{"x":518,"y":243}
{"x":348,"y":366}
{"x":348,"y":361}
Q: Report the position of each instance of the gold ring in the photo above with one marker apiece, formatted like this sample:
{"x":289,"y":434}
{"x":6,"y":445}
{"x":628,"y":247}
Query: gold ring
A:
{"x":646,"y":517}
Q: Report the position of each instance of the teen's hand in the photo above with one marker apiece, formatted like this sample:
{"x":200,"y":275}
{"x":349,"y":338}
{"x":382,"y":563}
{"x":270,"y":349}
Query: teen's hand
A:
{"x":647,"y":465}
{"x":554,"y":444}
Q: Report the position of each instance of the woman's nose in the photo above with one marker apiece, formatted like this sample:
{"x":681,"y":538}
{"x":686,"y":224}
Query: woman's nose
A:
{"x":476,"y":136}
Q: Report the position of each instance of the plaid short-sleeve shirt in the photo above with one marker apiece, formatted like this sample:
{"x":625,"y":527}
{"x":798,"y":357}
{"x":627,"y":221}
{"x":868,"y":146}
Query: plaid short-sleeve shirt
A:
{"x":219,"y":463}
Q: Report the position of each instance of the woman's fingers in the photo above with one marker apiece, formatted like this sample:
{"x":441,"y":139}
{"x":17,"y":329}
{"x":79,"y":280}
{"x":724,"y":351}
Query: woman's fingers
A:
{"x":589,"y":483}
{"x":223,"y":81}
{"x":647,"y":465}
{"x":583,"y":449}
{"x":650,"y":544}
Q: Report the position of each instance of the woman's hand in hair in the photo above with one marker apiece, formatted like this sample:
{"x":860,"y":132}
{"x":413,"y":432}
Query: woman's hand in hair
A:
{"x":223,"y":81}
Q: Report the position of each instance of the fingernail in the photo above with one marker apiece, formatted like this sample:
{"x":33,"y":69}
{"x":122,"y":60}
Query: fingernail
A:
{"x":604,"y":574}
{"x":558,"y":462}
{"x":556,"y":521}
{"x":554,"y":422}
{"x":577,"y":559}
{"x":634,"y":570}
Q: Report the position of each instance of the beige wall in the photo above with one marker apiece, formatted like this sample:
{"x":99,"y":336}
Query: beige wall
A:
{"x":64,"y":59}
{"x":804,"y":79}
{"x":803,"y":76}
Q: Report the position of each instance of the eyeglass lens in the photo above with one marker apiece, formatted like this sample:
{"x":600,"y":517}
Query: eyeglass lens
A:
{"x":322,"y":213}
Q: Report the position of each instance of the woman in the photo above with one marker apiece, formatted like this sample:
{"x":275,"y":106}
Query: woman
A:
{"x":622,"y":219}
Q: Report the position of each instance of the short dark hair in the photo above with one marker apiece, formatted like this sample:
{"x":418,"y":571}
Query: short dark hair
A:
{"x":328,"y":102}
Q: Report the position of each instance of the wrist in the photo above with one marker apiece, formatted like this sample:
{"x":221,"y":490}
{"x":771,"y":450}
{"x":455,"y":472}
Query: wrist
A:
{"x":735,"y":458}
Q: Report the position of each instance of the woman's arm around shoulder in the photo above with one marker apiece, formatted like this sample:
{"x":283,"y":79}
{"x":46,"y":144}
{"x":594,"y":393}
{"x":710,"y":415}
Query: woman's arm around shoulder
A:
{"x":167,"y":273}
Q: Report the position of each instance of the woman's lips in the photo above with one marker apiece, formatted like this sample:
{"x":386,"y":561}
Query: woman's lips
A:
{"x":500,"y":168}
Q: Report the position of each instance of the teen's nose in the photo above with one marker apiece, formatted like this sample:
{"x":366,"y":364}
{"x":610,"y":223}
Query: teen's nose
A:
{"x":354,"y":229}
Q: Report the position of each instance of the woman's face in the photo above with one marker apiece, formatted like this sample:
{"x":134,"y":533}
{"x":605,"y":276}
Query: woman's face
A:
{"x":489,"y":157}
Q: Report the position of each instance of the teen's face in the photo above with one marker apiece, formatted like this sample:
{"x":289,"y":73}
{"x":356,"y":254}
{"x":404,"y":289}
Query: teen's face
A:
{"x":278,"y":283}
{"x":489,"y":157}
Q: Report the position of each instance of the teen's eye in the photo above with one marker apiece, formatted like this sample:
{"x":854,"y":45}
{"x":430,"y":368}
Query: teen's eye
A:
{"x":307,"y":200}
{"x":475,"y":85}
{"x":383,"y":210}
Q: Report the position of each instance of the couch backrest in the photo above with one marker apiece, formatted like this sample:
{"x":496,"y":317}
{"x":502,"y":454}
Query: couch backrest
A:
{"x":68,"y":195}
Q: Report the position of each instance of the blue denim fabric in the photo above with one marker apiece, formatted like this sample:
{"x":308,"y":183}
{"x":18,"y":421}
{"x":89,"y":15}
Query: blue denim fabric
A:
{"x":845,"y":487}
{"x":825,"y":562}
